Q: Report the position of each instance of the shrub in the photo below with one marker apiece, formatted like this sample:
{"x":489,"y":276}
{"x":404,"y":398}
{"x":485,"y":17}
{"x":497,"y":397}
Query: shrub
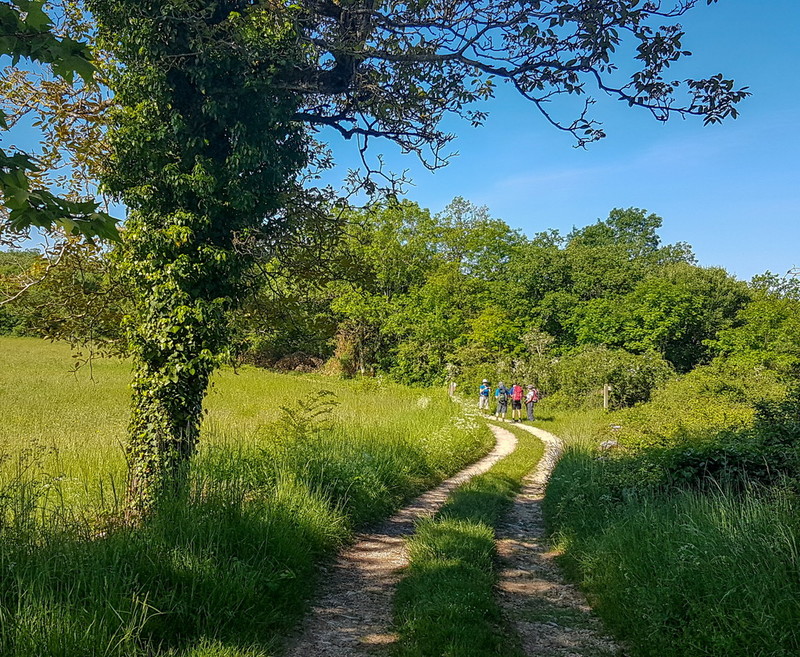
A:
{"x":633,"y":377}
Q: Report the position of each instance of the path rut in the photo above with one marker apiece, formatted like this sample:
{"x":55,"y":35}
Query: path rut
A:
{"x":552,"y":618}
{"x":353,"y":612}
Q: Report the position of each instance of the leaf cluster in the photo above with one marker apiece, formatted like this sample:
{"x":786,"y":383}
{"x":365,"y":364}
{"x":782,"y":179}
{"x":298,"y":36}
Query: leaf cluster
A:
{"x":26,"y":32}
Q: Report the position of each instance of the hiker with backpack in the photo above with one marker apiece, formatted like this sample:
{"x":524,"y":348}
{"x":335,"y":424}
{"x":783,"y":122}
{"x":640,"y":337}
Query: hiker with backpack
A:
{"x":501,"y":395}
{"x":516,"y":403}
{"x":531,"y":397}
{"x":483,"y":395}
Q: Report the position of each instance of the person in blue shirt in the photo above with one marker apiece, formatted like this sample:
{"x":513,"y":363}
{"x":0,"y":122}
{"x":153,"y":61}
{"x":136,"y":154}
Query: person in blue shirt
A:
{"x":483,"y":395}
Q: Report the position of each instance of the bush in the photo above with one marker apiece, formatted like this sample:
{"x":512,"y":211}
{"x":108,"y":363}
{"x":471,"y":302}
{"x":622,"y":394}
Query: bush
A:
{"x":633,"y":377}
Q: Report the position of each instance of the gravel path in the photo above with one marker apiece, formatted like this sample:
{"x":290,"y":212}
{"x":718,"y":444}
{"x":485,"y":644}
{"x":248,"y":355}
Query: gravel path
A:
{"x":552,"y":618}
{"x":354,"y":608}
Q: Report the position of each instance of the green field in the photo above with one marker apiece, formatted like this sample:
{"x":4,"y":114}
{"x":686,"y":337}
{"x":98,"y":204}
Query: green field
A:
{"x":225,"y":569}
{"x":75,"y":421}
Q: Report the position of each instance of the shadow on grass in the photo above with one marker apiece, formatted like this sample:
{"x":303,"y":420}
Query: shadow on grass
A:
{"x":194,"y":576}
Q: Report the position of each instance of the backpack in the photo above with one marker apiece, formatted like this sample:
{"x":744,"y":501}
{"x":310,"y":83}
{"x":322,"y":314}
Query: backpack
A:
{"x":502,"y":396}
{"x":535,"y":397}
{"x":516,"y":393}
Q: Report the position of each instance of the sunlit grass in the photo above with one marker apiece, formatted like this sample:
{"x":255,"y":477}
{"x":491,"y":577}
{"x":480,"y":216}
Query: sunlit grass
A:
{"x":676,"y":571}
{"x":75,"y":421}
{"x":224,"y":570}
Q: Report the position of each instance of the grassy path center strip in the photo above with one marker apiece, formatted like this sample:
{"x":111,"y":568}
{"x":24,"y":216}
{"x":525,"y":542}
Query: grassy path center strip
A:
{"x":446,"y":603}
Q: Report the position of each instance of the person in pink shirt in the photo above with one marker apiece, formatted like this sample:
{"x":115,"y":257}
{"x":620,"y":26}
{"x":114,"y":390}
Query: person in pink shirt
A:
{"x":516,"y":402}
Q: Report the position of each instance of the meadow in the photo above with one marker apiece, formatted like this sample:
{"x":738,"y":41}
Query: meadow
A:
{"x":288,"y":466}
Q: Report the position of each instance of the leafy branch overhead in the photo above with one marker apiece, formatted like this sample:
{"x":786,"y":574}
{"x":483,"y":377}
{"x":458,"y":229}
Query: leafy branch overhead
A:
{"x":394,"y":69}
{"x":26,"y":32}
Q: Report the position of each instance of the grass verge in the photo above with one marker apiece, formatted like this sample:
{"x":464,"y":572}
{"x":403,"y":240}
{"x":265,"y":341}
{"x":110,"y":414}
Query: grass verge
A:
{"x":677,"y":572}
{"x":446,"y":604}
{"x":223,"y":570}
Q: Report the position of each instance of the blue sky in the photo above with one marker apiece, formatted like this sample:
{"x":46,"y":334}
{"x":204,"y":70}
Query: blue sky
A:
{"x":731,"y":191}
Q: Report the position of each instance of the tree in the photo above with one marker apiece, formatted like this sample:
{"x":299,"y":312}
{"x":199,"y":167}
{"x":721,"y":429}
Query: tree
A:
{"x":430,"y":324}
{"x":610,"y":257}
{"x":205,"y":152}
{"x":676,"y":311}
{"x":394,"y":69}
{"x":26,"y":32}
{"x":767,"y":330}
{"x":77,"y":300}
{"x":468,"y":235}
{"x":213,"y":100}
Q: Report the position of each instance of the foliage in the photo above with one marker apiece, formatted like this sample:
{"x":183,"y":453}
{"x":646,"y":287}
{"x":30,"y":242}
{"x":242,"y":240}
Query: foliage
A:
{"x":766,"y":332}
{"x":204,"y":150}
{"x":13,"y":264}
{"x":682,"y":527}
{"x":678,"y":572}
{"x":675,"y":311}
{"x":74,"y":296}
{"x":608,"y":304}
{"x":581,"y":376}
{"x":26,"y":31}
{"x":396,"y":70}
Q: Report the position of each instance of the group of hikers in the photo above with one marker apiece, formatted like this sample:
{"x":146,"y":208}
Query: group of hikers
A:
{"x":502,"y":394}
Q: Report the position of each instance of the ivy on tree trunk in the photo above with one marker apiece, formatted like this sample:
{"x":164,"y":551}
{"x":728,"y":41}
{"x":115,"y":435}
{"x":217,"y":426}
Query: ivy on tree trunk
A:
{"x":204,"y":151}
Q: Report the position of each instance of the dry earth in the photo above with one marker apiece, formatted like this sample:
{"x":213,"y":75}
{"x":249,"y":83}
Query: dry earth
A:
{"x":551,"y":617}
{"x":354,"y":609}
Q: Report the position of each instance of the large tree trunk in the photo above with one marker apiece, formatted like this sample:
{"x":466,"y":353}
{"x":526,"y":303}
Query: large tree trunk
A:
{"x":163,"y":434}
{"x":181,"y":291}
{"x":205,"y":152}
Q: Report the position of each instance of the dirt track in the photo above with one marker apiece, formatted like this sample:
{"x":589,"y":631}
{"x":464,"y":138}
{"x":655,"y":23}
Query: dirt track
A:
{"x":353,"y":612}
{"x":551,"y":617}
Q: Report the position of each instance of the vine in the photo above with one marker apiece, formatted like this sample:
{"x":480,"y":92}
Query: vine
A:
{"x":204,"y":150}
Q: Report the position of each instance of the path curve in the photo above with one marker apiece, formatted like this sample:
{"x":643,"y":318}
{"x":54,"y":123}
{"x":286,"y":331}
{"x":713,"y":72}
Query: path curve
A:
{"x":552,"y":617}
{"x":353,"y":611}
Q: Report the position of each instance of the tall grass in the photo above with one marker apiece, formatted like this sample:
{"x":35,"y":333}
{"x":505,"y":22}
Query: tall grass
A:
{"x":76,"y":420}
{"x":680,"y":572}
{"x":225,"y":568}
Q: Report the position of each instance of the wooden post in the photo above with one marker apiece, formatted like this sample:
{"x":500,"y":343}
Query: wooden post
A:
{"x":606,"y":389}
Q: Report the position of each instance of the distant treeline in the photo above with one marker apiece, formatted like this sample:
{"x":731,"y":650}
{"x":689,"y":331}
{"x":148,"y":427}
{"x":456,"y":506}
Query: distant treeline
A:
{"x":424,"y":298}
